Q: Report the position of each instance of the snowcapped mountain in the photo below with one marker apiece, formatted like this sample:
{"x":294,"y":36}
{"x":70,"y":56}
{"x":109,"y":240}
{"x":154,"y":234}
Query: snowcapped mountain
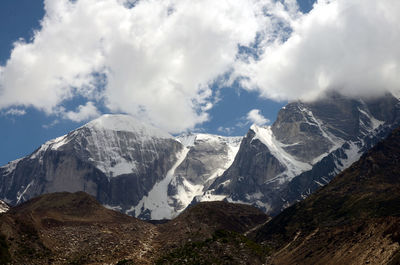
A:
{"x":304,"y":149}
{"x":115,"y":158}
{"x":204,"y":158}
{"x":141,"y":170}
{"x":126,"y":164}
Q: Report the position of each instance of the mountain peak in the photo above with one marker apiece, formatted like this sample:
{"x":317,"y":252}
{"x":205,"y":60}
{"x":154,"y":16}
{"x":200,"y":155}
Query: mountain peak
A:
{"x":127,"y":123}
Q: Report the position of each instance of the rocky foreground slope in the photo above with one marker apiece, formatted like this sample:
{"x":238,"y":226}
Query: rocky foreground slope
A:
{"x":73,"y":228}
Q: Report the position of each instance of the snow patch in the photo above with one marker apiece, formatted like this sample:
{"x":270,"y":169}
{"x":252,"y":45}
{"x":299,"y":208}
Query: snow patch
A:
{"x":11,"y":166}
{"x":336,"y":142}
{"x":126,"y":123}
{"x":187,"y":140}
{"x":374,"y":122}
{"x":186,"y":193}
{"x":110,"y":150}
{"x":116,"y":208}
{"x":53,"y":144}
{"x":190,"y":139}
{"x":294,"y":167}
{"x":254,"y":196}
{"x":3,"y":207}
{"x":353,"y":154}
{"x":157,"y":199}
{"x":20,"y":195}
{"x":208,"y":196}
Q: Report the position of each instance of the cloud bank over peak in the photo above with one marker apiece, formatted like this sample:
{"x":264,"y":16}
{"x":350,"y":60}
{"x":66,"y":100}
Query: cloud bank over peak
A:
{"x":347,"y":46}
{"x":155,"y":59}
{"x":160,"y":60}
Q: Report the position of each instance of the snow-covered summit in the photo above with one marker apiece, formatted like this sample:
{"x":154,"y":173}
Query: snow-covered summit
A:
{"x":126,"y":123}
{"x":117,"y":144}
{"x":110,"y":123}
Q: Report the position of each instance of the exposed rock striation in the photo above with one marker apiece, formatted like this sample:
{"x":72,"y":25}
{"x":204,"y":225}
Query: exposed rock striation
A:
{"x":304,"y":149}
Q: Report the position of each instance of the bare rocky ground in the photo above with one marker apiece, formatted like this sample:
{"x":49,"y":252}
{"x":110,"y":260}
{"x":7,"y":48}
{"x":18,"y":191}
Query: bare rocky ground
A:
{"x":66,"y":228}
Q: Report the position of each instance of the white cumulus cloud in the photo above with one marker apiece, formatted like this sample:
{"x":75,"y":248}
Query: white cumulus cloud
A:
{"x":351,"y":46}
{"x":155,"y":60}
{"x":83,"y":113}
{"x":158,"y":59}
{"x":254,"y":116}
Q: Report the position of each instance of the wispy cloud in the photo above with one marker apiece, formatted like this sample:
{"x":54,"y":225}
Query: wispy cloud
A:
{"x":52,"y":124}
{"x":15,"y":112}
{"x":254,"y":116}
{"x":83,"y":113}
{"x":226,"y":130}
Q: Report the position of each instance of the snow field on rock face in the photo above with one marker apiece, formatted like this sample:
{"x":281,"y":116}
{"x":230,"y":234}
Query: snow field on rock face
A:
{"x":374,"y":122}
{"x":53,"y":144}
{"x":126,"y":123}
{"x":11,"y":166}
{"x":294,"y":167}
{"x":353,"y":154}
{"x":190,"y":139}
{"x":106,"y":152}
{"x":20,"y":195}
{"x":188,"y":191}
{"x":106,"y":143}
{"x":157,"y":199}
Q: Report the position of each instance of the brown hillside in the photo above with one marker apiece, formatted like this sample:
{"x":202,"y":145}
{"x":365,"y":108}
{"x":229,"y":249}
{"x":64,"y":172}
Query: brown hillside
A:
{"x":73,"y":228}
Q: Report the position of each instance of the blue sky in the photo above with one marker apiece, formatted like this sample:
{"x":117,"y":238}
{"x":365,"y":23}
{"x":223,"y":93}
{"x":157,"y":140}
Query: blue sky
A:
{"x":20,"y":135}
{"x":92,"y":57}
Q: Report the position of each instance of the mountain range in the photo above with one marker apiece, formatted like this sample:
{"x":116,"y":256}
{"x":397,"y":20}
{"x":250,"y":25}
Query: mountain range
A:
{"x":354,"y":219}
{"x":145,"y":172}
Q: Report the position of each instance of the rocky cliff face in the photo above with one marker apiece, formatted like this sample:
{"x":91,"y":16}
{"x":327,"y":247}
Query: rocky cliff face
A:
{"x":147,"y":173}
{"x":204,"y":158}
{"x":126,"y":164}
{"x":304,"y":149}
{"x":114,"y":158}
